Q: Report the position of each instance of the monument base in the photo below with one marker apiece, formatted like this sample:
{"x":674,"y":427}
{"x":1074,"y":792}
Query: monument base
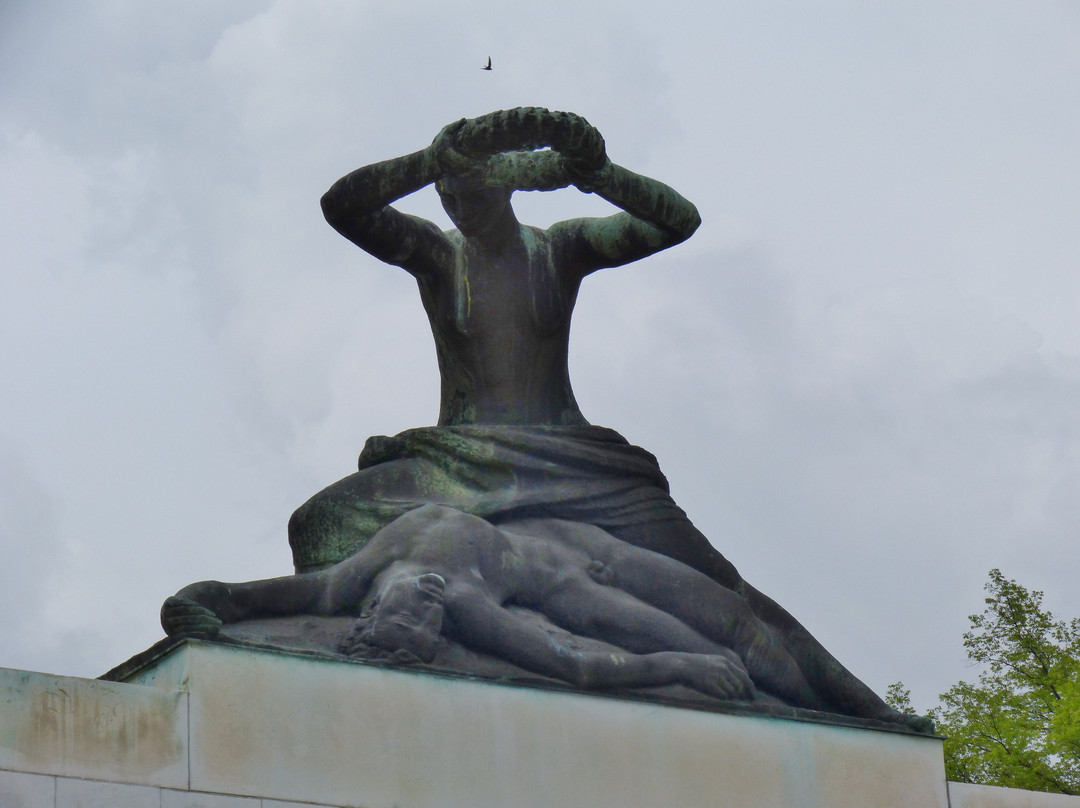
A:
{"x":223,"y":726}
{"x":229,"y":720}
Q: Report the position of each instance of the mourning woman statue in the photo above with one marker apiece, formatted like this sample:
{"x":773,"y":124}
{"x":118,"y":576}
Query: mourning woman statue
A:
{"x":511,"y":443}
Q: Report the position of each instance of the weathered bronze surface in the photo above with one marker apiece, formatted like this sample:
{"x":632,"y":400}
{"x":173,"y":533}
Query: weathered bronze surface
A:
{"x":514,"y":530}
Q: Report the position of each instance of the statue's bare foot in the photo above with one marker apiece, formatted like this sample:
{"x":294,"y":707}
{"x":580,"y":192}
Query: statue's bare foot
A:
{"x":920,"y":723}
{"x":923,"y":724}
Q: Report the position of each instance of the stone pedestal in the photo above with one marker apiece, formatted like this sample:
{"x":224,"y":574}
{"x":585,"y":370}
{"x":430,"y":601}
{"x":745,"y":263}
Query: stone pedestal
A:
{"x":224,"y":720}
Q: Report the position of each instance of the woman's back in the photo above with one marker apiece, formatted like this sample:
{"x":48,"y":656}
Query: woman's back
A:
{"x":501,"y":324}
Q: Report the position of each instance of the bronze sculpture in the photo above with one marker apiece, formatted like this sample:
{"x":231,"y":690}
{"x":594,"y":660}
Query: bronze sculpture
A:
{"x":511,"y":447}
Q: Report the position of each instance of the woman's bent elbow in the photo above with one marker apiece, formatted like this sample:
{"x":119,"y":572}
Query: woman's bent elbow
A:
{"x":693,"y":222}
{"x":332,"y":207}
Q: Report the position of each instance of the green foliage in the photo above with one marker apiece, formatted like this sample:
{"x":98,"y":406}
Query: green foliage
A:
{"x":899,"y":698}
{"x":1019,"y":726}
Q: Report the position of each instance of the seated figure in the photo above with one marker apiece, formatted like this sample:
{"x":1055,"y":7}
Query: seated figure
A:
{"x":511,"y":439}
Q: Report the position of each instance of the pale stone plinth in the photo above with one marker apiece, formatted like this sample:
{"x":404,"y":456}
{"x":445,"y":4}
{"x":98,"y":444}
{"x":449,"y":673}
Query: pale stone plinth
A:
{"x":211,"y":726}
{"x":291,"y":727}
{"x":85,"y":728}
{"x":965,"y":795}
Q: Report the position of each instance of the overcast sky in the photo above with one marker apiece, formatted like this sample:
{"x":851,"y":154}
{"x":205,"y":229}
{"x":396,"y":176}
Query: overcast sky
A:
{"x":861,"y":376}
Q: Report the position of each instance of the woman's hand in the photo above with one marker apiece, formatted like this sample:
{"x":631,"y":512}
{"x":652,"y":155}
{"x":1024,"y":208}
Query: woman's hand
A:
{"x":584,"y":178}
{"x":582,"y":147}
{"x":445,"y":151}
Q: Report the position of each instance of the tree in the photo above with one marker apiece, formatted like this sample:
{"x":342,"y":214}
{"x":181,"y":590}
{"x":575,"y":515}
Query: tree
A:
{"x":1019,"y":726}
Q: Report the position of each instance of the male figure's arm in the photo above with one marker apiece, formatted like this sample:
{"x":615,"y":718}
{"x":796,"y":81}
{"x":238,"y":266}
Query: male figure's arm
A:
{"x":479,"y":622}
{"x":200,"y":609}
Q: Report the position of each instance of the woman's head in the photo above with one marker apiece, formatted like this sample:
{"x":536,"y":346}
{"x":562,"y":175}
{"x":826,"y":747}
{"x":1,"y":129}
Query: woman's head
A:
{"x":473,"y":202}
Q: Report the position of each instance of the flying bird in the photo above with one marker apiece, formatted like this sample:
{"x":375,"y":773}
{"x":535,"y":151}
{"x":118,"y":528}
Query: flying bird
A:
{"x":488,"y":67}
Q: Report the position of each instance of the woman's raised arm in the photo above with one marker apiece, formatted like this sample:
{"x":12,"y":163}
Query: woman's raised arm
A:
{"x":358,"y":206}
{"x":654,"y":218}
